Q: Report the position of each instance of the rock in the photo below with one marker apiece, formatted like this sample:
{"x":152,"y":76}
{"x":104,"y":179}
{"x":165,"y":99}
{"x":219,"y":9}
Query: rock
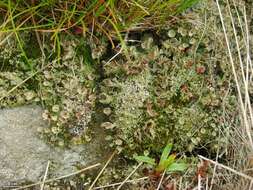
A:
{"x":24,"y":155}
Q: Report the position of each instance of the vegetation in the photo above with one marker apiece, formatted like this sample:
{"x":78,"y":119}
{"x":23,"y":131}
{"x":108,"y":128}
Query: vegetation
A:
{"x":160,"y":96}
{"x":95,"y":17}
{"x":144,"y":74}
{"x":167,"y":162}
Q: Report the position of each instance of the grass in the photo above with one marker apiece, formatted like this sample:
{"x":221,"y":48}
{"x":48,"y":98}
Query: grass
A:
{"x":111,"y":18}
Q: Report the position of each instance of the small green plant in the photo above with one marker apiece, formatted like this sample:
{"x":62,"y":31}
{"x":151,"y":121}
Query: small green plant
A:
{"x":168,"y":162}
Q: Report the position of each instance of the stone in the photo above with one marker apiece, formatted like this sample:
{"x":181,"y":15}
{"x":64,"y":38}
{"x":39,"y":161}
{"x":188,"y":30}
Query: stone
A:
{"x":24,"y":155}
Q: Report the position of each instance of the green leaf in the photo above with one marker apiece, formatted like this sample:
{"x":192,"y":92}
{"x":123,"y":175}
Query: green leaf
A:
{"x":165,"y":163}
{"x":177,"y":167}
{"x":166,"y":152}
{"x":145,"y":159}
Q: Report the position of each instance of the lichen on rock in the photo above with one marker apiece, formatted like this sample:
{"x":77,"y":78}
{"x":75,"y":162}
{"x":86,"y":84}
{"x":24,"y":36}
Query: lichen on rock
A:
{"x":65,"y":88}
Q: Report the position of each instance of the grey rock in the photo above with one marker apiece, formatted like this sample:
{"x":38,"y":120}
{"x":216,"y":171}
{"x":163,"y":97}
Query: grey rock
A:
{"x":24,"y":156}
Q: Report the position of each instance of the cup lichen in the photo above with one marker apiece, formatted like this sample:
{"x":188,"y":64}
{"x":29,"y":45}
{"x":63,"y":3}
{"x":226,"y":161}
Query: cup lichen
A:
{"x":168,"y":92}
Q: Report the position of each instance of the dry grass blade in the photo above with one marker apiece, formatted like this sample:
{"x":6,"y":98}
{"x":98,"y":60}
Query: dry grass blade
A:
{"x":161,"y":180}
{"x":45,"y":176}
{"x":61,"y":177}
{"x":113,"y":57}
{"x":37,"y":34}
{"x":247,"y":121}
{"x":102,"y":170}
{"x":207,"y":182}
{"x":199,"y":182}
{"x":227,"y":168}
{"x":244,"y":76}
{"x":214,"y":172}
{"x":119,"y":183}
{"x":240,"y":61}
{"x":2,"y":41}
{"x":22,"y":82}
{"x":129,"y":176}
{"x":251,"y":185}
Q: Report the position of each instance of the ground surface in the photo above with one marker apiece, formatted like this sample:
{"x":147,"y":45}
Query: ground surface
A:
{"x":170,"y":85}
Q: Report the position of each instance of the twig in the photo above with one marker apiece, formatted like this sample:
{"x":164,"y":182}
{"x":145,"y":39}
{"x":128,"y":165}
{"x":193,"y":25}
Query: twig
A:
{"x":161,"y":180}
{"x":102,"y":170}
{"x":22,"y":82}
{"x":45,"y":176}
{"x":129,"y":176}
{"x":61,"y":177}
{"x":119,"y":183}
{"x":227,"y":168}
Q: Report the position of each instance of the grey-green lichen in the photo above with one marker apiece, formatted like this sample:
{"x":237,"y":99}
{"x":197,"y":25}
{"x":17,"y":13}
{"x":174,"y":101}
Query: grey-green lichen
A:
{"x":64,"y":88}
{"x":167,"y":90}
{"x":172,"y":92}
{"x":127,"y":101}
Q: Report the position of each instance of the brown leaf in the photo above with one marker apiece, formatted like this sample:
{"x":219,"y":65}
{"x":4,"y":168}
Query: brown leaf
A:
{"x":170,"y":186}
{"x":200,"y":69}
{"x":150,"y":111}
{"x":78,"y":30}
{"x":202,"y":169}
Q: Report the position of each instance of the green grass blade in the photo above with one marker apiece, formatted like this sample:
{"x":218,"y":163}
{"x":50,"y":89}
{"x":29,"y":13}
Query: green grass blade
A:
{"x":30,"y":66}
{"x":100,"y":10}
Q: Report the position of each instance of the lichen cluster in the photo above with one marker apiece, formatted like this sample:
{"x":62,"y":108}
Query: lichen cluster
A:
{"x":168,"y":89}
{"x":168,"y":92}
{"x":64,"y":88}
{"x":11,"y":76}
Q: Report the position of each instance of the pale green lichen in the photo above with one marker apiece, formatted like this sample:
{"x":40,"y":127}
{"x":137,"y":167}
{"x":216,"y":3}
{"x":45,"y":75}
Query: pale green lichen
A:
{"x":132,"y":91}
{"x":65,"y":89}
{"x":166,"y":90}
{"x":167,"y":94}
